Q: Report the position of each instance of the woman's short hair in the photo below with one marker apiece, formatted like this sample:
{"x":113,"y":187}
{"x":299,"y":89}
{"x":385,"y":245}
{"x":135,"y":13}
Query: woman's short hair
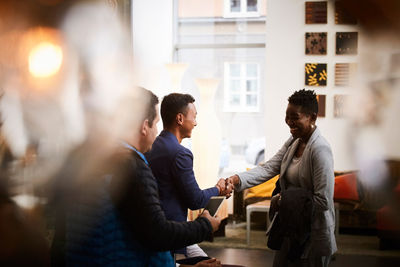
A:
{"x":307,"y":99}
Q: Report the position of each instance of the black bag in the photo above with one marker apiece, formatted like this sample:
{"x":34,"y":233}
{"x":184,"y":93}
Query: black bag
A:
{"x":275,"y":233}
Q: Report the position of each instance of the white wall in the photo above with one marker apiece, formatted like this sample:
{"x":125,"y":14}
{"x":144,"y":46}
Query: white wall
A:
{"x":152,"y":43}
{"x":285,"y":60}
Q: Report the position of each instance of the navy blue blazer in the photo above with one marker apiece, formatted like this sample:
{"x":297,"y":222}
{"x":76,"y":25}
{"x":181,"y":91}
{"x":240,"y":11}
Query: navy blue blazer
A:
{"x":172,"y":165}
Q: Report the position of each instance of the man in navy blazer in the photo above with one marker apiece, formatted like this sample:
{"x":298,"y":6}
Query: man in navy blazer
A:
{"x":172,"y":163}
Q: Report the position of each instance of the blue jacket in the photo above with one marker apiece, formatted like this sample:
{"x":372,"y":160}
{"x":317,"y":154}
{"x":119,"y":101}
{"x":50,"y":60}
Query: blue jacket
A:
{"x":96,"y":237}
{"x":172,"y":165}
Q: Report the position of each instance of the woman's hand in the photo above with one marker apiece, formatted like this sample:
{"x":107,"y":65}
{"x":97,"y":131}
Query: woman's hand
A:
{"x":275,"y":204}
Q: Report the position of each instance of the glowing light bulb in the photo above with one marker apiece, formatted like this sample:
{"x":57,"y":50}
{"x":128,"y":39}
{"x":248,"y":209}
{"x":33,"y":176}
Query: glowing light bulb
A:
{"x":45,"y":59}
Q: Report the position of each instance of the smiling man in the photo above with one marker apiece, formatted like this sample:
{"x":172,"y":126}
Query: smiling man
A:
{"x":172,"y":164}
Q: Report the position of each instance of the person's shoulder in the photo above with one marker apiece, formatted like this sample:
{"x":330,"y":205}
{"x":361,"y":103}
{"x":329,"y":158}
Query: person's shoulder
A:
{"x":183,"y":152}
{"x":166,"y":142}
{"x":320,"y":146}
{"x":320,"y":141}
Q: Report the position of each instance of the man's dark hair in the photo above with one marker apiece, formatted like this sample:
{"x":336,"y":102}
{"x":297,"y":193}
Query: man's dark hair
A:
{"x":307,"y":99}
{"x":173,"y":104}
{"x":151,"y":102}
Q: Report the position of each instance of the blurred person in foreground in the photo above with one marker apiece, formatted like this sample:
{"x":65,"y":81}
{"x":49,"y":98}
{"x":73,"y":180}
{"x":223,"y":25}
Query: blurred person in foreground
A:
{"x":110,"y":212}
{"x":172,"y":165}
{"x":305,"y":166}
{"x":135,"y":195}
{"x":22,"y":241}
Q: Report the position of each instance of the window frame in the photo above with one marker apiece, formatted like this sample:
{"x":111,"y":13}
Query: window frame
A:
{"x":243,"y":78}
{"x":243,"y":13}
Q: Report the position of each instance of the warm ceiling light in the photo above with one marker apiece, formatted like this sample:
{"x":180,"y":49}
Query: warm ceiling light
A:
{"x":45,"y":59}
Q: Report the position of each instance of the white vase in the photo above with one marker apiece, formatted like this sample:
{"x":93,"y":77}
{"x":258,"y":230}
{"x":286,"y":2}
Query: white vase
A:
{"x":176,"y":71}
{"x":206,"y":136}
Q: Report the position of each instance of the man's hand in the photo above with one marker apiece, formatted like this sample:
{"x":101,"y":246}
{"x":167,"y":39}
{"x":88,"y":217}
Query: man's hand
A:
{"x":225,"y":189}
{"x":275,"y":203}
{"x":221,"y":186}
{"x":215,"y":221}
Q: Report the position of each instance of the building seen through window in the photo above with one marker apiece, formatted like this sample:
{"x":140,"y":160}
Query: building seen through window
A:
{"x":241,"y":8}
{"x":225,"y":40}
{"x":241,"y":87}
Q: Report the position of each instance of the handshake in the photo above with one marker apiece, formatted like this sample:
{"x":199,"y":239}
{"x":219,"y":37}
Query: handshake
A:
{"x":226,"y":186}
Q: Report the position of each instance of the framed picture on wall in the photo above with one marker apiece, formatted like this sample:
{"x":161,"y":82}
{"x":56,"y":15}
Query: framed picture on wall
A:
{"x":345,"y":73}
{"x":316,"y":74}
{"x":339,"y":106}
{"x":316,"y":12}
{"x":342,"y":16}
{"x":316,"y":43}
{"x":321,"y":105}
{"x":346,"y":43}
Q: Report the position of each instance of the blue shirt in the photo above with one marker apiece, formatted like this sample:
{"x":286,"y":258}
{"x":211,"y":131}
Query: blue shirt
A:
{"x":137,"y":151}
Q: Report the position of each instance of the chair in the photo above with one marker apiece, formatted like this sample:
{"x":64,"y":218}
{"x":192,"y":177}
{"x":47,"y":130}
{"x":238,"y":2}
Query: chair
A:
{"x":262,"y":206}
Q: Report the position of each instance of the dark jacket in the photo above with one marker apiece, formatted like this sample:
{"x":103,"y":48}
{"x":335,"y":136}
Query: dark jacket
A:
{"x":172,"y":165}
{"x":134,"y":192}
{"x":89,"y":230}
{"x":296,"y":214}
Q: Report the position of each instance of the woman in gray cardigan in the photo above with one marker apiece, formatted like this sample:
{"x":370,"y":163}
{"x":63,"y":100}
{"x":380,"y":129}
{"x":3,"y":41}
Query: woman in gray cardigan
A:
{"x":305,"y":161}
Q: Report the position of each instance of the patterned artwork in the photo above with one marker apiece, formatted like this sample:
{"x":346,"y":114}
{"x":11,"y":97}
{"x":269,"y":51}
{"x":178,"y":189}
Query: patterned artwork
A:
{"x":316,"y":43}
{"x":316,"y":12}
{"x":346,"y":43}
{"x":321,"y":105}
{"x":342,"y":16}
{"x":345,"y":73}
{"x":315,"y":74}
{"x":339,"y":106}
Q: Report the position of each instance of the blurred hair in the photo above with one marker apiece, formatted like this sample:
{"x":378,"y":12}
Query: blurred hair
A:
{"x":151,"y":100}
{"x":173,"y":104}
{"x":306,"y":99}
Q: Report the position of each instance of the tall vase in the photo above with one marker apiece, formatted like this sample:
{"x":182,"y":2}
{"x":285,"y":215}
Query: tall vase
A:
{"x":176,"y":71}
{"x":206,"y":137}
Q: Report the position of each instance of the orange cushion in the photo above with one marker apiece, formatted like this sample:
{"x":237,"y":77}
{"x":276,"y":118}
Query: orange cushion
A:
{"x":346,"y":187}
{"x":262,"y":190}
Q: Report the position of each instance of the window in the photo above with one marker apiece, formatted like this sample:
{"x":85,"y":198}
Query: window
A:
{"x":241,"y":8}
{"x":241,"y":83}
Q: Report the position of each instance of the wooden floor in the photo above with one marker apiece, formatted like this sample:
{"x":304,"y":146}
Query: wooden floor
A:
{"x":263,"y":258}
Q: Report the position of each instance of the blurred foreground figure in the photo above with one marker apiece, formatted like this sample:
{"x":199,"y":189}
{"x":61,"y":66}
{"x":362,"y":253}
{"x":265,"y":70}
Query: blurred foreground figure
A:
{"x":62,"y":96}
{"x":21,"y":242}
{"x":108,"y":212}
{"x":374,"y":109}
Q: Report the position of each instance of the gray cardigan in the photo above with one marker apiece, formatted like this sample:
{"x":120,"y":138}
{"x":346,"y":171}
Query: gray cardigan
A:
{"x":316,"y":175}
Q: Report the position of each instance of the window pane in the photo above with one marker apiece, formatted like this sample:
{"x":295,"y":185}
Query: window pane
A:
{"x":251,"y":86}
{"x":234,"y":100}
{"x":235,"y":86}
{"x":235,"y":5}
{"x":251,"y":100}
{"x":235,"y":70}
{"x":251,"y":5}
{"x":252,"y":70}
